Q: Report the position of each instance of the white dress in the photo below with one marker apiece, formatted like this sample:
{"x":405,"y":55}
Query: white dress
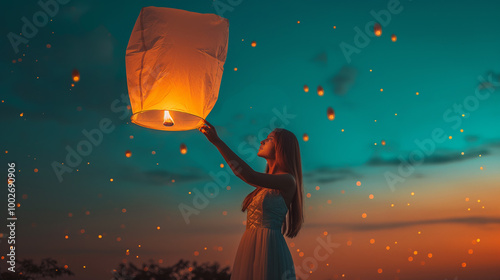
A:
{"x":263,"y":253}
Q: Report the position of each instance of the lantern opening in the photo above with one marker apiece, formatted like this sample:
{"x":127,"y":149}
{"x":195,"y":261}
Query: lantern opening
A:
{"x":160,"y":120}
{"x":167,"y":119}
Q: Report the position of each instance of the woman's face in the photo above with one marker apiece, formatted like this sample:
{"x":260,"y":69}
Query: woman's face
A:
{"x":266,"y":149}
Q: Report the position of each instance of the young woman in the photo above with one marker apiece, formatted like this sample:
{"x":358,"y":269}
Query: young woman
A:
{"x":276,"y":203}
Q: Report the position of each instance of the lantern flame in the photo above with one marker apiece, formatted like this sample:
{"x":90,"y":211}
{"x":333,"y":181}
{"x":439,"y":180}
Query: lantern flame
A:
{"x":167,"y":119}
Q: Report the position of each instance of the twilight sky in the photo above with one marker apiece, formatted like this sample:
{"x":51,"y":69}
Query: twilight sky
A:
{"x":422,"y":206}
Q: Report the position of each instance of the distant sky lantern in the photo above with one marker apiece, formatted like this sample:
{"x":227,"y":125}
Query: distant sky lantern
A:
{"x":394,"y":38}
{"x":76,"y":75}
{"x":383,"y":142}
{"x":321,"y":91}
{"x":183,"y":149}
{"x":175,"y":60}
{"x":254,"y":44}
{"x":331,"y":113}
{"x":377,"y":29}
{"x":306,"y":88}
{"x":305,"y":137}
{"x":128,"y":153}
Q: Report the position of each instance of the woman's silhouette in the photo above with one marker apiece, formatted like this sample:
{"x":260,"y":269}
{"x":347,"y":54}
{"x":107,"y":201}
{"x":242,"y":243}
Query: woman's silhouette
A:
{"x":276,"y":203}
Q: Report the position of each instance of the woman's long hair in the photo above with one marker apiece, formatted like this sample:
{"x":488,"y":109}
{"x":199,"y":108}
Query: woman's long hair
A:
{"x":287,"y":159}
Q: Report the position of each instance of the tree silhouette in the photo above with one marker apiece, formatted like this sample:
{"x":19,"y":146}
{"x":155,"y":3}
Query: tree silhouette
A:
{"x":27,"y":270}
{"x":179,"y":271}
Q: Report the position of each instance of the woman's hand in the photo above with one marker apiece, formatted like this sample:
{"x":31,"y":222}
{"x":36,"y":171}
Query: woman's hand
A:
{"x":209,"y":131}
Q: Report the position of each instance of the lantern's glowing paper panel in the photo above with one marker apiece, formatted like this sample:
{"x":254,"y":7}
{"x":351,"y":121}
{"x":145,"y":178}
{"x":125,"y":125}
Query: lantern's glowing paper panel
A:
{"x":175,"y":60}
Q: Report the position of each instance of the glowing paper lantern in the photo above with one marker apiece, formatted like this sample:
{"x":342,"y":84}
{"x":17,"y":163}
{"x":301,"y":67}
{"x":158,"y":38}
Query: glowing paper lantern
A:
{"x":321,"y":91}
{"x":383,"y":142}
{"x":331,"y":113}
{"x":306,"y":88}
{"x":254,"y":44}
{"x":305,"y":137}
{"x":183,"y":149}
{"x":377,"y":29}
{"x":128,"y":153}
{"x":394,"y":38}
{"x":76,"y":75}
{"x":175,"y":60}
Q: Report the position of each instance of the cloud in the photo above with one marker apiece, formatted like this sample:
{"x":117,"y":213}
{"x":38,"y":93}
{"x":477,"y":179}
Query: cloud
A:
{"x":163,"y":177}
{"x":478,"y":220}
{"x":326,"y":175}
{"x":322,"y":58}
{"x":343,"y":80}
{"x":492,"y":81}
{"x":438,"y":157}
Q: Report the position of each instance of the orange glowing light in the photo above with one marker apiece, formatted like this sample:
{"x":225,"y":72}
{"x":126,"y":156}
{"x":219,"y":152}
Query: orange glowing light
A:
{"x":167,"y":119}
{"x":358,"y":183}
{"x":394,"y":38}
{"x":75,"y":75}
{"x":363,"y":215}
{"x":331,"y":113}
{"x":183,"y":149}
{"x":321,"y":91}
{"x":305,"y":137}
{"x":379,"y":270}
{"x":254,"y":44}
{"x":372,"y":241}
{"x":128,"y":153}
{"x":306,"y":88}
{"x":371,"y":196}
{"x":377,"y":29}
{"x":383,"y":142}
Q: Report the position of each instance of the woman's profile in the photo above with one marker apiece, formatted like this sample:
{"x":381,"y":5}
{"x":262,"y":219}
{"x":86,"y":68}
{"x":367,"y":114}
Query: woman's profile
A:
{"x":274,"y":208}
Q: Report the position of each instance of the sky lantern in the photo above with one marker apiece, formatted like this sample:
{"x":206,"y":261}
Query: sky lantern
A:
{"x":394,"y":38}
{"x":306,"y":88}
{"x":254,"y":44}
{"x":377,"y":29}
{"x":383,"y":142}
{"x":321,"y":91}
{"x":331,"y":113}
{"x":128,"y":153}
{"x":183,"y":149}
{"x":305,"y":137}
{"x":174,"y":61}
{"x":76,"y":75}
